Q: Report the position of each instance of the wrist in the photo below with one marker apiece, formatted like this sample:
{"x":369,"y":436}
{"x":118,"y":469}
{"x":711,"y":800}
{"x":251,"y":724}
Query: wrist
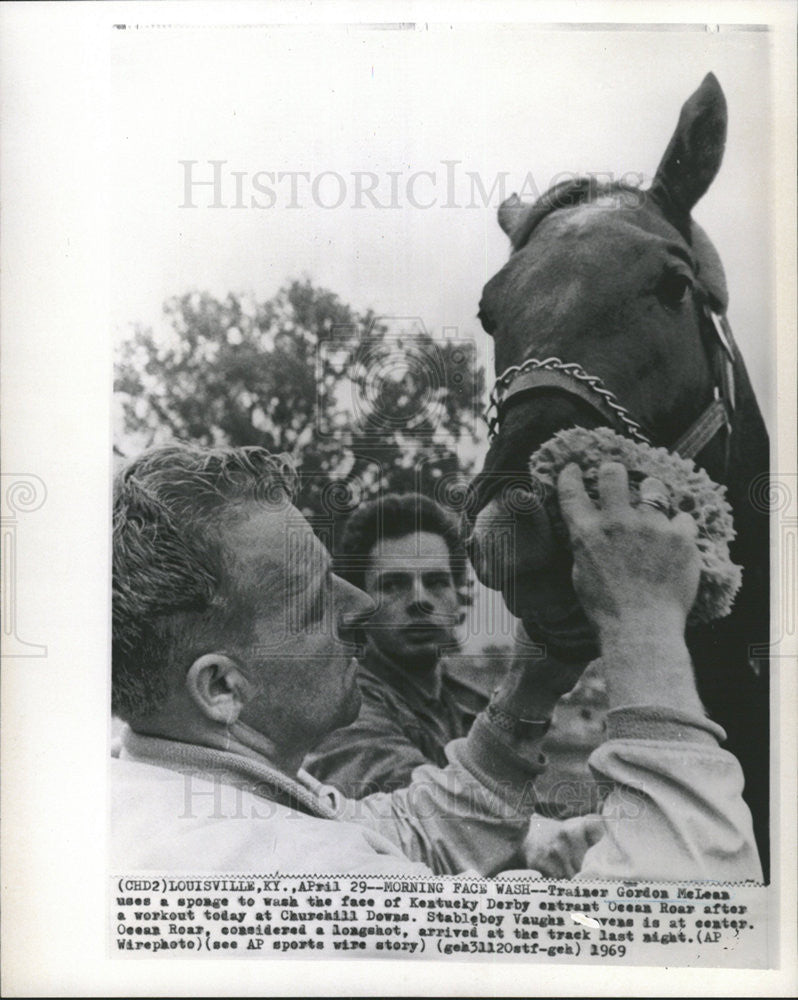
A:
{"x":533,"y":691}
{"x":518,"y":727}
{"x":529,"y":704}
{"x":665,"y":624}
{"x":650,"y":666}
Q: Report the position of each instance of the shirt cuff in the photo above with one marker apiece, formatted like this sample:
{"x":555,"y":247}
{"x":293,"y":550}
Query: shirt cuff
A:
{"x":651,"y":722}
{"x":508,"y":770}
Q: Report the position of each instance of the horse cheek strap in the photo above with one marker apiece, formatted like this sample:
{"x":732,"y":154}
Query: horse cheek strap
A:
{"x":520,"y":381}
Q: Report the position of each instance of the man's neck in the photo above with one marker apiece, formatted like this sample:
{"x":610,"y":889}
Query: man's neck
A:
{"x":426,"y":678}
{"x":237,"y":738}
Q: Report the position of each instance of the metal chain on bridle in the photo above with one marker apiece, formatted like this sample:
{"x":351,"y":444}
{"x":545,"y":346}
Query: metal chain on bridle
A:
{"x":571,"y":378}
{"x":571,"y":369}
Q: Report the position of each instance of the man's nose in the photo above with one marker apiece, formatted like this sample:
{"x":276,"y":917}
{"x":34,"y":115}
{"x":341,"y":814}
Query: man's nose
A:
{"x":420,"y":598}
{"x":421,"y":605}
{"x":353,"y":607}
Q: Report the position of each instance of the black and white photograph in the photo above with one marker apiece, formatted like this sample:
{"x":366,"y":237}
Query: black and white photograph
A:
{"x":399,"y":436}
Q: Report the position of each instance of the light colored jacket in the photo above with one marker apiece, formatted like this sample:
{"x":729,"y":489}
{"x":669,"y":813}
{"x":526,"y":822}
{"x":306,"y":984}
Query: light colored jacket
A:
{"x":675,"y":811}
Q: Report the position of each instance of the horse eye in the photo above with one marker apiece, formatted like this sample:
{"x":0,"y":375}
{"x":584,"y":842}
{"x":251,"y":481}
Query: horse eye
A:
{"x":674,"y":287}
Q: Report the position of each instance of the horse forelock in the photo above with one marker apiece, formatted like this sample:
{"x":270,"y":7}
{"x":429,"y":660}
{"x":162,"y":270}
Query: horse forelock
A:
{"x":709,"y":273}
{"x":578,"y":274}
{"x":569,"y":194}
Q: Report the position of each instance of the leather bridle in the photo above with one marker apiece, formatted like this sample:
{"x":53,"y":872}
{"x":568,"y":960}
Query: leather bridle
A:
{"x":518,"y":382}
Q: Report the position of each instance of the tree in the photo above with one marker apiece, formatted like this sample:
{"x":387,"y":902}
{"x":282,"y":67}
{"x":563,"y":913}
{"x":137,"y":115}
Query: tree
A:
{"x":363,"y":405}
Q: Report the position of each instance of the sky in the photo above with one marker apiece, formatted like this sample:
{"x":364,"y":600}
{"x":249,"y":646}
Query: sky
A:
{"x":409,"y":139}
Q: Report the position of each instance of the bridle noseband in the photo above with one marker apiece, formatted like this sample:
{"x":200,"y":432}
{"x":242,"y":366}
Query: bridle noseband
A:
{"x":520,"y":381}
{"x":569,"y":377}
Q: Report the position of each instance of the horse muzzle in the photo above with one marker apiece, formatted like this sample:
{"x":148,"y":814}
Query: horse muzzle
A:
{"x":519,"y":554}
{"x":510,"y":539}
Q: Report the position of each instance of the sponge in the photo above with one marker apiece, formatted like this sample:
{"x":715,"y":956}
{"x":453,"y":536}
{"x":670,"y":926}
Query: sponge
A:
{"x":689,"y":489}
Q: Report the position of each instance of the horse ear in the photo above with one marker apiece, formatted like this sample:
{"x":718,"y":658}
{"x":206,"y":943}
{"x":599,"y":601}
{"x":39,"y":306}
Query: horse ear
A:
{"x":511,"y":214}
{"x":695,"y":151}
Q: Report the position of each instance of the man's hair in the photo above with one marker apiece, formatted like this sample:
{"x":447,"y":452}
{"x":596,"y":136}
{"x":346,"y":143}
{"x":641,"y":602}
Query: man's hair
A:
{"x":394,"y":516}
{"x":172,"y":589}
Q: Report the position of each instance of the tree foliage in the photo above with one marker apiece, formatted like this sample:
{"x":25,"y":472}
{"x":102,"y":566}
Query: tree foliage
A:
{"x":362,"y":405}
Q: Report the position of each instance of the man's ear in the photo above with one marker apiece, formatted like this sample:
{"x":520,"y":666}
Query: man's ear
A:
{"x":218,"y":687}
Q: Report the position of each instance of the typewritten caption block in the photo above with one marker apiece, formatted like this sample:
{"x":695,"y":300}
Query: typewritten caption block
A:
{"x":628,"y":923}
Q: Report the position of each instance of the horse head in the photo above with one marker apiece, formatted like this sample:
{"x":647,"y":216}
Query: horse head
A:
{"x":609,"y":311}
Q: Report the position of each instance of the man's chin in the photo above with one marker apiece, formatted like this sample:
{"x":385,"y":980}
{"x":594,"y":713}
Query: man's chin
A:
{"x":422,"y":655}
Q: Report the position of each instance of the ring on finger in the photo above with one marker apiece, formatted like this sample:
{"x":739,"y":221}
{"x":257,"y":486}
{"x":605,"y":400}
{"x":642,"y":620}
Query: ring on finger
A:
{"x":658,"y":502}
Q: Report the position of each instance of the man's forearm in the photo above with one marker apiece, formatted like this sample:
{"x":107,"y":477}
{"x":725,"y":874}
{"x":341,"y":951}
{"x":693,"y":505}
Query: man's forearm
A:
{"x":676,"y":810}
{"x":535,"y":681}
{"x":646,"y":662}
{"x":474,"y":813}
{"x":471,"y":815}
{"x":504,"y":748}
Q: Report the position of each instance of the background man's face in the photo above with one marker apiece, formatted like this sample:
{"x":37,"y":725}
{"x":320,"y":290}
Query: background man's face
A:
{"x":303,"y":671}
{"x":410,"y":580}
